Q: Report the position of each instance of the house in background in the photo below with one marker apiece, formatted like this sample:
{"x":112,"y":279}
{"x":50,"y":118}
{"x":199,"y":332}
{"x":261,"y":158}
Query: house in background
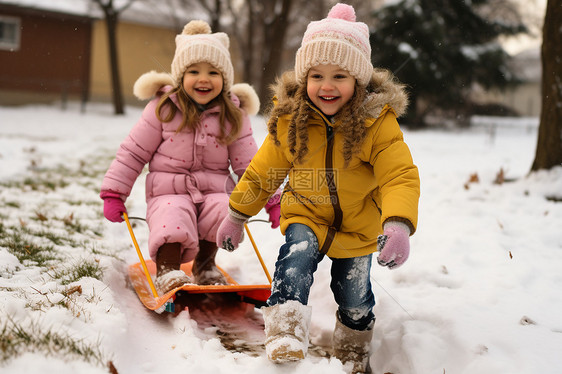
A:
{"x":44,"y":53}
{"x":524,"y":99}
{"x":50,"y":54}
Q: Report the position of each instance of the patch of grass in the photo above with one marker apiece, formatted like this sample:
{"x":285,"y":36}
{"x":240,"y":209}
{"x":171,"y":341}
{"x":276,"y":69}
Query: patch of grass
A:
{"x":43,"y":232}
{"x":13,"y":204}
{"x":21,"y":245}
{"x":97,"y":233}
{"x":92,"y":248}
{"x":56,"y":239}
{"x":92,"y":203}
{"x":85,"y":170}
{"x":44,"y":183}
{"x":15,"y":339}
{"x":73,"y":225}
{"x":87,"y":268}
{"x":10,"y":184}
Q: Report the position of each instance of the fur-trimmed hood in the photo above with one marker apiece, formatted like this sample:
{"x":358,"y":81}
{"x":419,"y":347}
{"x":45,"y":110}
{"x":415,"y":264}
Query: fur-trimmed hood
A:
{"x":383,"y":89}
{"x":149,"y":84}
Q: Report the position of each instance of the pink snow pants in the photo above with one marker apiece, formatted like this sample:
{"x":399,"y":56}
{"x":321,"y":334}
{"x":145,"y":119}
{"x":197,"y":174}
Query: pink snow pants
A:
{"x":177,"y":219}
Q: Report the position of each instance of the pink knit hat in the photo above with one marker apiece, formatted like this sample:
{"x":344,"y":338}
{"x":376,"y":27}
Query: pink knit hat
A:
{"x":197,"y":44}
{"x":336,"y":40}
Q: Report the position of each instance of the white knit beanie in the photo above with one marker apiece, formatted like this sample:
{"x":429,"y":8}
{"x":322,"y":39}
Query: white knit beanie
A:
{"x":336,"y":40}
{"x":197,"y":44}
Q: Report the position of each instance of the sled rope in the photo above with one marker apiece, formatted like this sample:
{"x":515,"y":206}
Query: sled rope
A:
{"x":150,"y":283}
{"x":392,"y":297}
{"x":258,"y":253}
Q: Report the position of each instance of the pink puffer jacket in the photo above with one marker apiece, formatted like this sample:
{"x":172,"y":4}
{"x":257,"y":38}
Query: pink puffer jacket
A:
{"x":189,"y":179}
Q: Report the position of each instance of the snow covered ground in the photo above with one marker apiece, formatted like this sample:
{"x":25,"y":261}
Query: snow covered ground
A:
{"x":480,"y":293}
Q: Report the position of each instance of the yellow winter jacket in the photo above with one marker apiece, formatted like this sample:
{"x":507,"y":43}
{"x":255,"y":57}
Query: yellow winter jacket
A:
{"x":344,"y":206}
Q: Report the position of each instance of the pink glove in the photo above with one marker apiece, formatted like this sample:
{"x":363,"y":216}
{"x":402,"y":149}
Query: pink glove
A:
{"x":273,"y":208}
{"x":113,"y":206}
{"x":231,"y":231}
{"x":394,"y":245}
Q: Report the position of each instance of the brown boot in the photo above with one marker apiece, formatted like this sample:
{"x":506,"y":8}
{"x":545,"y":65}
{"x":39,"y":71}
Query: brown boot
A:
{"x":205,"y":271}
{"x":168,"y":273}
{"x":353,"y":346}
{"x":286,"y":331}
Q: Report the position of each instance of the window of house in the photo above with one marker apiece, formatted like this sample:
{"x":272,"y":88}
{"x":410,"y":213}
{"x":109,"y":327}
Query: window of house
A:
{"x":9,"y":33}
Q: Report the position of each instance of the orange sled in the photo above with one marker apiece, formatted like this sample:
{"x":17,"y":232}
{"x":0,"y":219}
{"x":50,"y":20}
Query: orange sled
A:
{"x":252,"y":294}
{"x":143,"y":272}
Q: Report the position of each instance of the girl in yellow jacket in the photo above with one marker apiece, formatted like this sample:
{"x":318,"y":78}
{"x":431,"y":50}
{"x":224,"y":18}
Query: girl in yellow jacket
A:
{"x":352,"y":186}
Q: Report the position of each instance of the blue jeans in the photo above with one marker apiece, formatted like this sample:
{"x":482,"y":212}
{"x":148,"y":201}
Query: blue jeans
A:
{"x":351,"y":279}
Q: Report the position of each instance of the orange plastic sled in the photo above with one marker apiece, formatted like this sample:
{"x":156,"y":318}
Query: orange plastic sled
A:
{"x":252,"y":294}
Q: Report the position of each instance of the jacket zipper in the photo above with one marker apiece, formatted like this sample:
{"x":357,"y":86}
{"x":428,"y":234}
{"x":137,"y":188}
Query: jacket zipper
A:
{"x":331,"y":181}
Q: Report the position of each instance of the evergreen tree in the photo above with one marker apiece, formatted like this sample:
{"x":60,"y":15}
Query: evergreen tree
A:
{"x":440,"y":48}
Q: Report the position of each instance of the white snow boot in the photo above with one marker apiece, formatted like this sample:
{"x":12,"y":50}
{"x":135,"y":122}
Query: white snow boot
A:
{"x":286,"y":331}
{"x":168,"y":273}
{"x":353,"y":346}
{"x":205,"y":270}
{"x":170,"y":280}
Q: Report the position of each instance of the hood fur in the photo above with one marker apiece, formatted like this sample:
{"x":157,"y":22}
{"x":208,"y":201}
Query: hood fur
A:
{"x":383,"y":89}
{"x":148,"y":85}
{"x":249,"y":100}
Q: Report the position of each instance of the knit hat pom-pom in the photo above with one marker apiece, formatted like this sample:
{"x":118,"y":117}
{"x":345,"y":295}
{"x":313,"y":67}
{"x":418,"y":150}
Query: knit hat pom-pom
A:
{"x":342,"y":11}
{"x":196,"y":27}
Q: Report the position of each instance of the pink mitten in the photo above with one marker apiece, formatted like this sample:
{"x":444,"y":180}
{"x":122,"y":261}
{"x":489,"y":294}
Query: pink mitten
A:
{"x":273,"y":208}
{"x":394,"y":245}
{"x":231,"y":231}
{"x":113,"y":206}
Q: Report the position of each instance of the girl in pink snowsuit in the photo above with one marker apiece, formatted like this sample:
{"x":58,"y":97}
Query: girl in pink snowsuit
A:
{"x":194,"y":129}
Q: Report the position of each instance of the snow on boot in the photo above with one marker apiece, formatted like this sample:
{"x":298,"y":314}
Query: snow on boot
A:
{"x":205,"y":271}
{"x":170,"y":280}
{"x":353,"y":346}
{"x":286,"y":331}
{"x":168,"y":273}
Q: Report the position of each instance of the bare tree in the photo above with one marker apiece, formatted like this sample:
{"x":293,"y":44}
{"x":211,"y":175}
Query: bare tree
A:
{"x":549,"y":144}
{"x":275,"y":22}
{"x":214,"y":9}
{"x":264,"y":33}
{"x":111,"y":14}
{"x":258,"y":29}
{"x":244,"y":35}
{"x":267,"y":34}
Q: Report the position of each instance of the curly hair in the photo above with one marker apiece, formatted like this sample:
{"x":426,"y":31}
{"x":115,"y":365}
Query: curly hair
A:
{"x":351,"y":119}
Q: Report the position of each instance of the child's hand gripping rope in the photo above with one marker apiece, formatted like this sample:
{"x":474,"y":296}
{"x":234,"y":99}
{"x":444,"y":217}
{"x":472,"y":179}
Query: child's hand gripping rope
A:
{"x":113,"y":206}
{"x":231,"y":231}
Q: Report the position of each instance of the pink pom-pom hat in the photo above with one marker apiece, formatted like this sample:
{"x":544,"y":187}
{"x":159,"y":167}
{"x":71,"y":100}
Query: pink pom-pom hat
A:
{"x":339,"y":40}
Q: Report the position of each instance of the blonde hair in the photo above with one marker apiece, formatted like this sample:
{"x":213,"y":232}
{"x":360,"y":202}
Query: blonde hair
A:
{"x":166,"y":110}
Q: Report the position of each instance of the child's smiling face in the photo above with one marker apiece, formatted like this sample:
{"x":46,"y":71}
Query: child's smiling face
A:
{"x":202,"y":82}
{"x":329,"y":87}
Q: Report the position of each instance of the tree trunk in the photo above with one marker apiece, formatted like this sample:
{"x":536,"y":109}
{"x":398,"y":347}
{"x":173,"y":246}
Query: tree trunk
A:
{"x":273,"y":49}
{"x":215,"y":17}
{"x":549,"y":144}
{"x":248,"y":54}
{"x":111,"y":22}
